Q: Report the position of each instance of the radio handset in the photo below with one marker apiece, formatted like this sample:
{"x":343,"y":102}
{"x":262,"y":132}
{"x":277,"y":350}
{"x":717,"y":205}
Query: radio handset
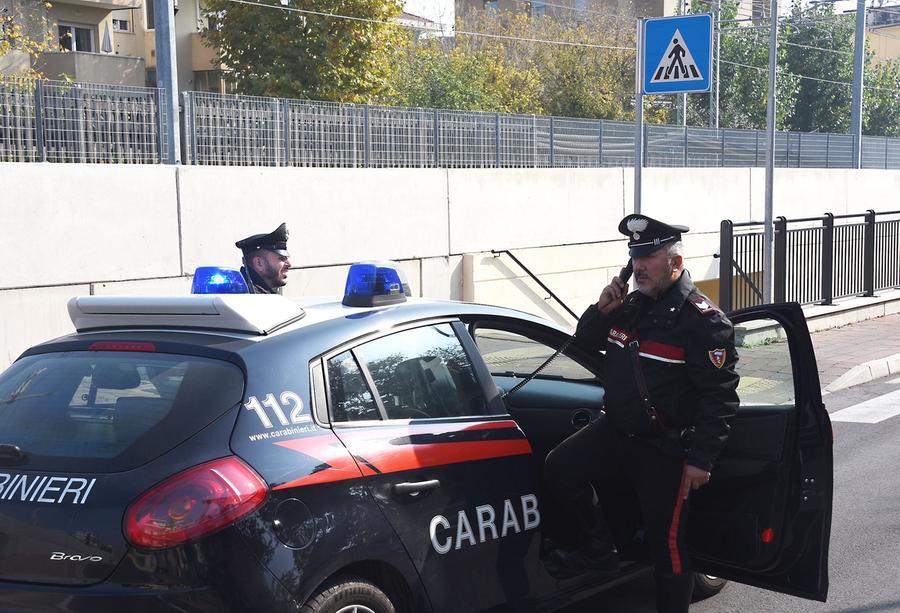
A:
{"x":625,"y":273}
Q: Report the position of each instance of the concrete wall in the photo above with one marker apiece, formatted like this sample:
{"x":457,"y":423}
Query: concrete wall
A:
{"x":92,"y":68}
{"x":96,"y":229}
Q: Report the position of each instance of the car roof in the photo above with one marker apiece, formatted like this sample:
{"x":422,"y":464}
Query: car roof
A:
{"x":248,"y":320}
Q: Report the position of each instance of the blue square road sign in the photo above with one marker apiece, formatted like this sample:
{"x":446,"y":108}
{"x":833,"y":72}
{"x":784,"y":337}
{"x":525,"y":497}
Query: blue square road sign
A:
{"x":676,"y":54}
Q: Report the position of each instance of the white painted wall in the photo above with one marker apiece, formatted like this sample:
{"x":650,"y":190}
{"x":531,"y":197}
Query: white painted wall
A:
{"x":81,"y":223}
{"x":78,"y":229}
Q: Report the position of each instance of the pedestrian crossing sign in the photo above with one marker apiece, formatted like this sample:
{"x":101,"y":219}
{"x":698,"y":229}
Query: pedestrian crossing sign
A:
{"x":676,"y":54}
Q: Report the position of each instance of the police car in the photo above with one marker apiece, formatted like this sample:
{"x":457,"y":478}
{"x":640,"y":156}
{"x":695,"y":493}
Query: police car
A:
{"x":225,"y":452}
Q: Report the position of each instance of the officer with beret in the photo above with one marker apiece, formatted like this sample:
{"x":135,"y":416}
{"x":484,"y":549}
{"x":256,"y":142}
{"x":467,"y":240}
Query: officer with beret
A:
{"x":266,"y":261}
{"x":670,"y":384}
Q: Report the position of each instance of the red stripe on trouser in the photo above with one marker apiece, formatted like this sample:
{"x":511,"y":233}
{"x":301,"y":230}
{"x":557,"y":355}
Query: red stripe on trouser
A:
{"x":673,"y":528}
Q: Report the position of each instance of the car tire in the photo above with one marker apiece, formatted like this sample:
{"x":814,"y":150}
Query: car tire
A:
{"x":348,"y":595}
{"x":706,"y":586}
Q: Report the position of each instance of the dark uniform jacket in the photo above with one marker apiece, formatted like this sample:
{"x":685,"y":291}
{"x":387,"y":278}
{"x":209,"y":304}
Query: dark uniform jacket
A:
{"x":686,"y":351}
{"x":256,"y":283}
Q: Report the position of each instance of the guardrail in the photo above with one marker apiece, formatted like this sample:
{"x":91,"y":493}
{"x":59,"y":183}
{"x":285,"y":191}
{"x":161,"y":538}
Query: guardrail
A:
{"x":817,"y":259}
{"x":57,"y":121}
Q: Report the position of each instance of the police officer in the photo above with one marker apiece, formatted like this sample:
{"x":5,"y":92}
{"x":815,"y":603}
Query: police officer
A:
{"x":266,"y":261}
{"x":670,"y":394}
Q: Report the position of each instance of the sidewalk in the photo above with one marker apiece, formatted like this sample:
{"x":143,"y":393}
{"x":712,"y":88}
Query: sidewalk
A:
{"x":858,"y":352}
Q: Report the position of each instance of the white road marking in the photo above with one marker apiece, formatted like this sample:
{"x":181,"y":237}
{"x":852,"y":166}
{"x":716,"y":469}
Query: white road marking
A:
{"x":871,"y":411}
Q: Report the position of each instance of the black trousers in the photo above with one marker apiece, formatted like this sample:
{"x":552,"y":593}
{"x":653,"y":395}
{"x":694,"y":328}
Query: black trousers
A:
{"x":598,"y":452}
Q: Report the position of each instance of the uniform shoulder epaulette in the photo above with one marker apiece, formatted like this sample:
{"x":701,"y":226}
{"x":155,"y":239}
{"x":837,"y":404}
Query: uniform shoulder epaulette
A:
{"x":702,"y":304}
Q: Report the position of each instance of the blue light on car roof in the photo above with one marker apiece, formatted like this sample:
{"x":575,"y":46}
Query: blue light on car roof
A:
{"x":375,"y":284}
{"x":217,"y":280}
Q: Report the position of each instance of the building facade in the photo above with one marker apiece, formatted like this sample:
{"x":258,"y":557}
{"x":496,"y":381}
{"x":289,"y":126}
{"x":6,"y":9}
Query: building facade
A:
{"x":114,"y":42}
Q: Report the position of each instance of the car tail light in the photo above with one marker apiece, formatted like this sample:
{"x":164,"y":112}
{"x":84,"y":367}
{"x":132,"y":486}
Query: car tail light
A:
{"x":194,"y":503}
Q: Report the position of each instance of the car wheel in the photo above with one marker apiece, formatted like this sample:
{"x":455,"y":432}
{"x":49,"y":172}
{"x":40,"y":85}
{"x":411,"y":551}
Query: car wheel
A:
{"x":707,"y":585}
{"x":348,"y":595}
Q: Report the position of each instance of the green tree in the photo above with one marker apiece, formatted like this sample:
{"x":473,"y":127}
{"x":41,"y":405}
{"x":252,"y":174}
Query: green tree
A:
{"x":881,"y":99}
{"x":458,"y":79}
{"x":821,"y":105}
{"x":559,"y":65}
{"x":279,"y":51}
{"x":25,"y":27}
{"x":744,"y":79}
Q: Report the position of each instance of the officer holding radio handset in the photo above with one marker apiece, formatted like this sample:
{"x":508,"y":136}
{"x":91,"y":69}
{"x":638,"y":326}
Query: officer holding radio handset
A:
{"x":670,"y":387}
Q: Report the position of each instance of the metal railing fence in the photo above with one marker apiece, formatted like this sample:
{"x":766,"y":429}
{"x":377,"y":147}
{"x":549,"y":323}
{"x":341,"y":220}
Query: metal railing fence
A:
{"x":817,"y":259}
{"x":57,"y":121}
{"x":258,"y":131}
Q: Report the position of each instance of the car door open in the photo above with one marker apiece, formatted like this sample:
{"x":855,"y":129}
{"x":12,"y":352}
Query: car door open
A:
{"x":765,"y":517}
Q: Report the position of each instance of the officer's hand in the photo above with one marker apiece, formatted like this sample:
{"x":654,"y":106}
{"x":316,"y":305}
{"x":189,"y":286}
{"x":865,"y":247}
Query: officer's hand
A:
{"x":694,"y":478}
{"x":612,"y":296}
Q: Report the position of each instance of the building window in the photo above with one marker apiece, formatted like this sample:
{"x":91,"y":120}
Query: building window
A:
{"x":149,"y":17}
{"x":122,"y":21}
{"x":76,"y":38}
{"x":538,"y":9}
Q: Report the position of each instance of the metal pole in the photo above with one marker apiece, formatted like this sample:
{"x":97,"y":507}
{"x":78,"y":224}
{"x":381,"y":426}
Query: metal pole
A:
{"x":552,"y":157}
{"x":367,"y":137}
{"x":167,"y":73}
{"x":718,"y":59}
{"x":286,"y":130}
{"x":726,"y":246}
{"x":497,"y":139}
{"x":769,"y":239}
{"x":869,"y":254}
{"x":682,"y":98}
{"x":859,"y":48}
{"x":714,"y":66}
{"x":39,"y":120}
{"x":160,"y":138}
{"x":828,"y":258}
{"x":437,"y":138}
{"x":638,"y":115}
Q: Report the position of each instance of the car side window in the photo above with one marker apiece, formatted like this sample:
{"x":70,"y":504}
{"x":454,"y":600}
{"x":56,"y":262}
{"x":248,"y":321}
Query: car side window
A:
{"x":351,"y":399}
{"x":764,"y":365}
{"x":423,"y":373}
{"x":508,"y":353}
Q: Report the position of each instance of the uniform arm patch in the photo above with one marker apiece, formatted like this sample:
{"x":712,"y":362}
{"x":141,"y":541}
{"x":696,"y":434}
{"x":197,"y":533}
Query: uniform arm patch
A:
{"x":718,"y":357}
{"x":703,"y":304}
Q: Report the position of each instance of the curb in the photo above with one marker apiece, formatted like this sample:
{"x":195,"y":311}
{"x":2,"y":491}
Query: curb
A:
{"x":865,"y":372}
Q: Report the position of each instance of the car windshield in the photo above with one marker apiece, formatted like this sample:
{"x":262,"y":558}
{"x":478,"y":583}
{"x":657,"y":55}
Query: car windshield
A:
{"x":109,"y":411}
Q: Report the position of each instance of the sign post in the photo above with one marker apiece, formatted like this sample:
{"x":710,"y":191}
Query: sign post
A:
{"x":673,"y":56}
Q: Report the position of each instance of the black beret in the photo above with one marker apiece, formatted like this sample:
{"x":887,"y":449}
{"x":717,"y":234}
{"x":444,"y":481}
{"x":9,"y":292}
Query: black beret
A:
{"x":646,"y":235}
{"x":275,"y":241}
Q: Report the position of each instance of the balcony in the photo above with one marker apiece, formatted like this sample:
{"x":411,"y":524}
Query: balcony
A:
{"x":92,"y":67}
{"x":110,"y":5}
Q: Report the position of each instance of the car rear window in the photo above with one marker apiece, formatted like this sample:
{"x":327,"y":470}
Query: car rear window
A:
{"x":90,"y":411}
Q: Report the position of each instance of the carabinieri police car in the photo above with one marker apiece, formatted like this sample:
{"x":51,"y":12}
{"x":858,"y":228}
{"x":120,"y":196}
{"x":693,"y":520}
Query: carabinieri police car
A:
{"x":224,"y":453}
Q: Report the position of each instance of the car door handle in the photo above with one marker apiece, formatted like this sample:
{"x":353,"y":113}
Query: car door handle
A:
{"x":416,"y":487}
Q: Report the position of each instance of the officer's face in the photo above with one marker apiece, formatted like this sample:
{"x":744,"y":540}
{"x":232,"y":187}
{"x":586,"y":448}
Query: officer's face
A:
{"x":272,"y":267}
{"x":655,"y":273}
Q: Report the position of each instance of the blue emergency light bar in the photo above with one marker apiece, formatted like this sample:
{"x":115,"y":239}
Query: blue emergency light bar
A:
{"x":375,"y":284}
{"x":217,"y":280}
